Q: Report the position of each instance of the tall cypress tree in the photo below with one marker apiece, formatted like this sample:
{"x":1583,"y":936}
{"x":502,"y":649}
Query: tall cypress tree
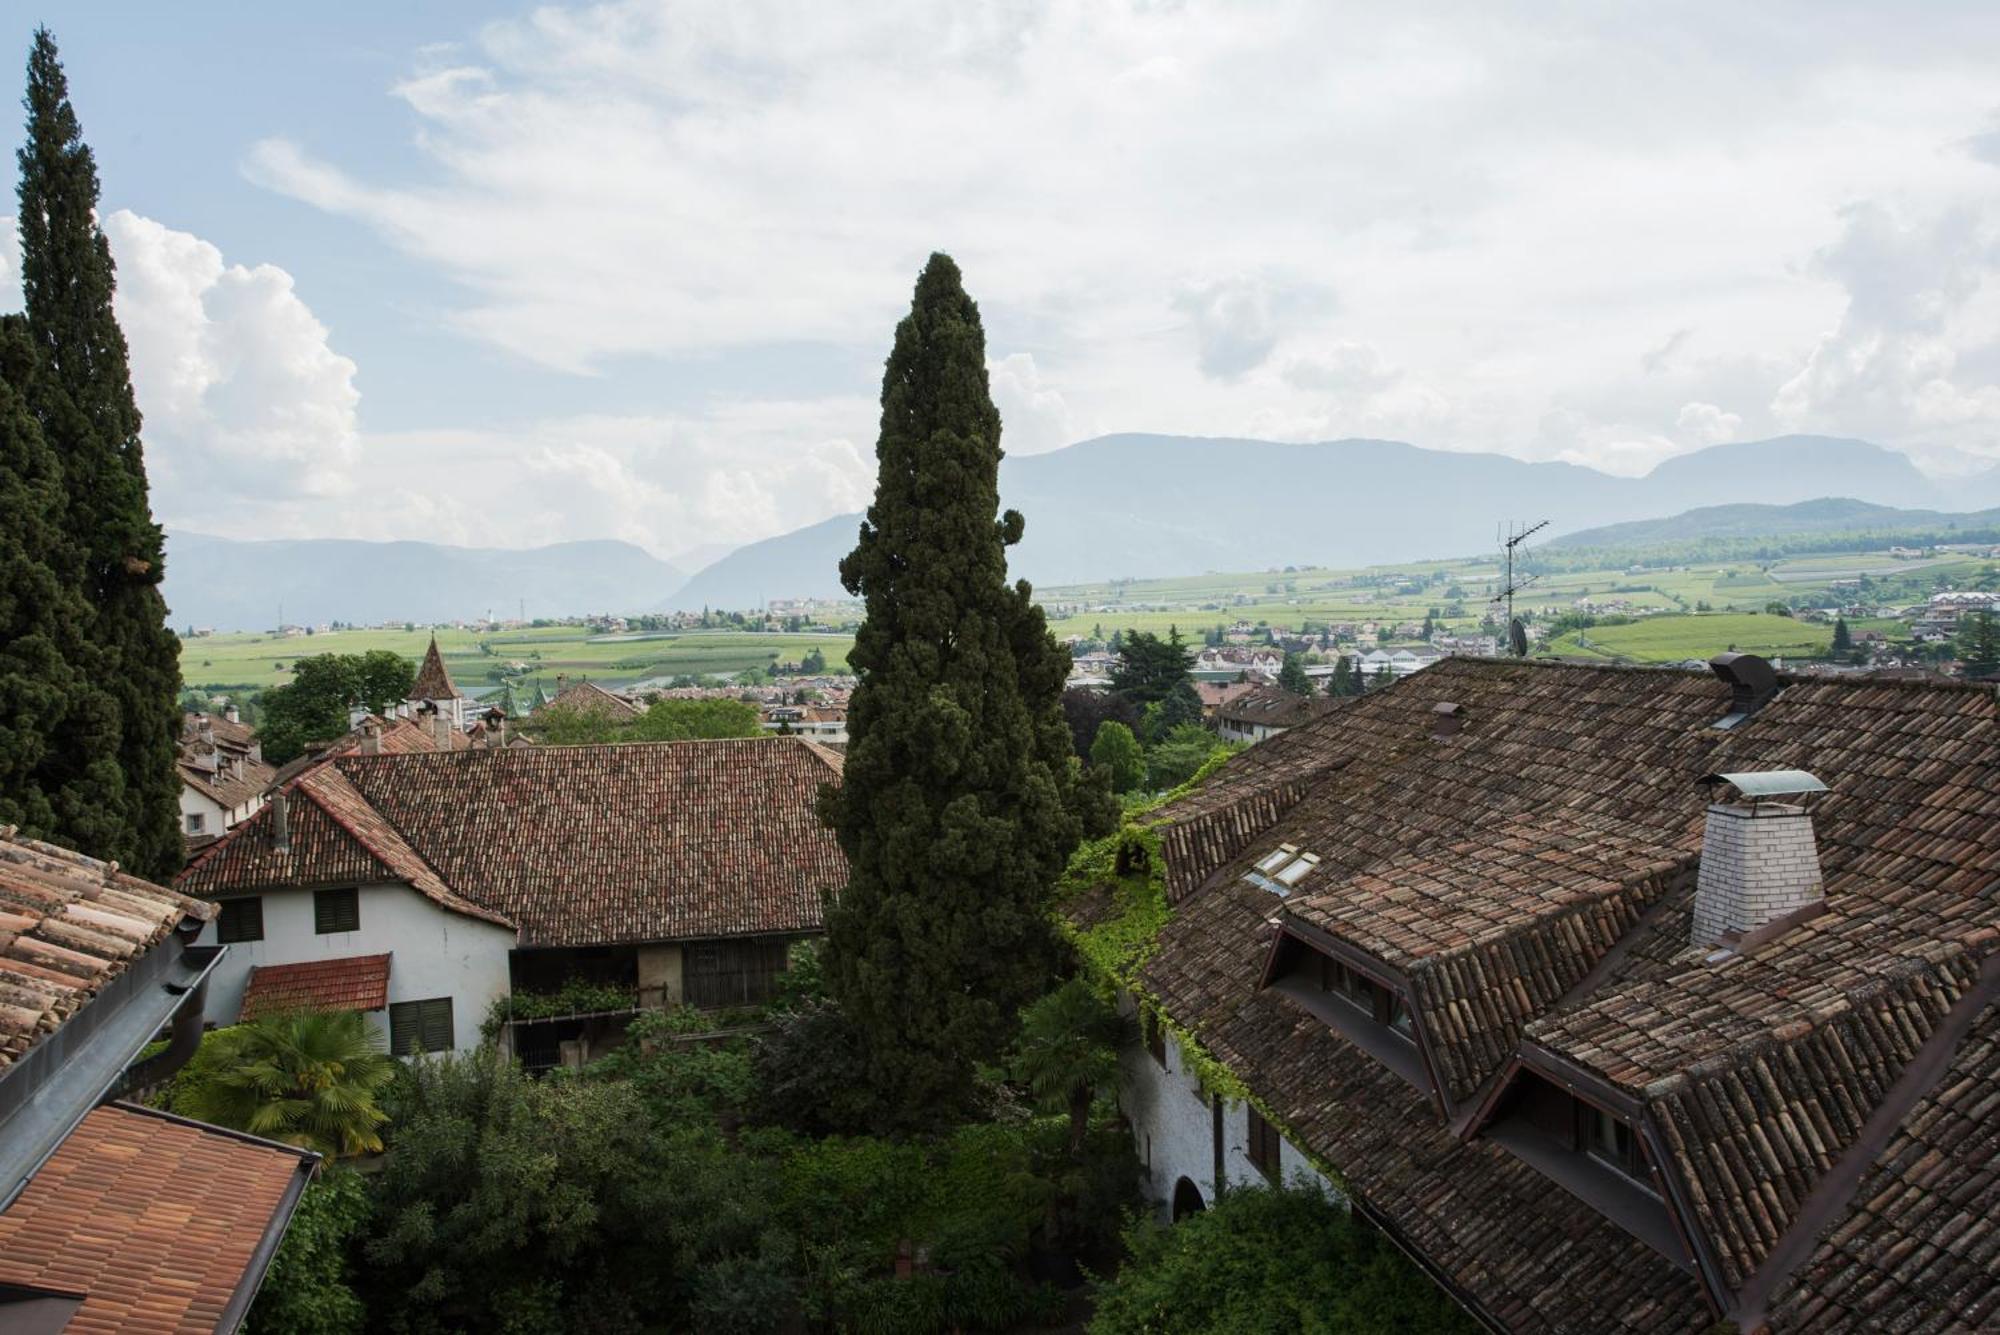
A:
{"x":59,"y":777}
{"x":960,"y":801}
{"x":90,"y":419}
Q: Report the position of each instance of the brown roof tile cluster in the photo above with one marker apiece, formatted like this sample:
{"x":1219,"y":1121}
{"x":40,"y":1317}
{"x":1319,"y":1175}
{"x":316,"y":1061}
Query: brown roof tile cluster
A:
{"x":573,"y":845}
{"x":154,"y":1221}
{"x":1273,"y":707}
{"x":587,"y":697}
{"x":1529,"y":878}
{"x":433,"y":682}
{"x":69,"y":924}
{"x":348,"y":983}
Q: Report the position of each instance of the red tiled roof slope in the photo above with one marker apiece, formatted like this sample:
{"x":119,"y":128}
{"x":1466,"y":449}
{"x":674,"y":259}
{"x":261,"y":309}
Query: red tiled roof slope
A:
{"x":433,"y":682}
{"x":348,"y":983}
{"x":154,"y":1220}
{"x":1910,"y":867}
{"x":587,"y":697}
{"x":69,"y":924}
{"x":575,"y":845}
{"x":1273,"y":707}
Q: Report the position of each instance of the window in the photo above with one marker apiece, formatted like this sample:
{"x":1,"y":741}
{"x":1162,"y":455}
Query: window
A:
{"x":195,"y":822}
{"x":336,"y":911}
{"x":1156,"y":1036}
{"x":1270,"y":862}
{"x":1295,"y":873}
{"x":1610,"y":1141}
{"x":1264,"y":1151}
{"x":240,"y":920}
{"x":1281,"y":869}
{"x":420,"y":1026}
{"x":1383,"y":1005}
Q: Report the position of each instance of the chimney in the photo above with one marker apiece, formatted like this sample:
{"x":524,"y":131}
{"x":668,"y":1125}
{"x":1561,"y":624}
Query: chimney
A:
{"x":496,"y":729}
{"x":1752,"y":683}
{"x":1759,"y":862}
{"x":229,"y":712}
{"x":1447,"y":717}
{"x":281,"y":822}
{"x":371,"y":737}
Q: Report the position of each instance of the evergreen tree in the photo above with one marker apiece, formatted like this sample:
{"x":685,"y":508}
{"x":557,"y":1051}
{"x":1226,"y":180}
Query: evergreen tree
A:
{"x":1342,"y":680}
{"x":1843,"y":641}
{"x":1118,"y":753}
{"x":1292,"y":676}
{"x":1149,"y":667}
{"x":89,"y":418}
{"x":961,"y":799}
{"x":1979,"y":644}
{"x":59,"y":779}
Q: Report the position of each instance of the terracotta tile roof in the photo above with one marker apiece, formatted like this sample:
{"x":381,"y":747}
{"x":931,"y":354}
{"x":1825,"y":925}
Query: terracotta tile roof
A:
{"x":395,"y":737}
{"x":235,"y":736}
{"x":237,"y":787}
{"x":1759,"y":1066}
{"x":433,"y":682}
{"x":575,"y":845}
{"x":157,"y":1222}
{"x":69,"y":924}
{"x":587,"y":697}
{"x":348,"y":983}
{"x":1273,"y":707}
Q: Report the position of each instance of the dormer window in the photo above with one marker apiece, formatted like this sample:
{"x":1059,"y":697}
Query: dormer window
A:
{"x":1368,"y":1006}
{"x":1610,"y":1141}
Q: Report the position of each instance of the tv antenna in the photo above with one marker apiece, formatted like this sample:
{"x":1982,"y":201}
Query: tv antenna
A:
{"x":1517,"y":634}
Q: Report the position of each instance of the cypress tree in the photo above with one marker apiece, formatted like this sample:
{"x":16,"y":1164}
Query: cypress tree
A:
{"x":59,"y":779}
{"x":90,"y":419}
{"x":960,"y":801}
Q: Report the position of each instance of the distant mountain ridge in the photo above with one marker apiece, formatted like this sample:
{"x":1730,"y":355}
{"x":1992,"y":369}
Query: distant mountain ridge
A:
{"x":1831,"y":515}
{"x":227,"y":584}
{"x":1177,"y":505}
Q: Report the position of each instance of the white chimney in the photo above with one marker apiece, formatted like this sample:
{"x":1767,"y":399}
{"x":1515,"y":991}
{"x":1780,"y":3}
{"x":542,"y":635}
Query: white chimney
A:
{"x":1759,"y":862}
{"x":371,"y":737}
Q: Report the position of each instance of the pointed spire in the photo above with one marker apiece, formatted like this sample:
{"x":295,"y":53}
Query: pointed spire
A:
{"x":433,"y":682}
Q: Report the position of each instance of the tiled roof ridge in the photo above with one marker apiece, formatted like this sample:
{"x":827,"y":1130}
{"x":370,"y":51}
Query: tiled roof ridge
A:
{"x":1735,"y":1054}
{"x":428,"y":882}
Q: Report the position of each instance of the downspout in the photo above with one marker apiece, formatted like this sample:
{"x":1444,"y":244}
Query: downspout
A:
{"x":183,"y":1040}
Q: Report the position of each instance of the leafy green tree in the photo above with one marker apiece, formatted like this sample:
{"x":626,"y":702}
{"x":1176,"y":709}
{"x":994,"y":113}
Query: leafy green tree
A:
{"x":1175,"y":758}
{"x":1292,"y":676}
{"x":59,"y":776}
{"x":90,"y":419}
{"x":687,"y":720}
{"x":1149,"y":668}
{"x":1270,"y":1262}
{"x":1118,"y":753}
{"x":307,"y":1078}
{"x":1843,"y":641}
{"x":813,"y":664}
{"x":307,"y":1290}
{"x":1087,"y":710}
{"x":1067,"y":1052}
{"x":960,"y":801}
{"x":1344,"y":680}
{"x":313,"y":706}
{"x":1979,"y":643}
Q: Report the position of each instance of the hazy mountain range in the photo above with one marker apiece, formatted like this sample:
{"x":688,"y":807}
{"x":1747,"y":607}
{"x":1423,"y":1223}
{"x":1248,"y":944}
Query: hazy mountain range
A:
{"x":1125,"y":505}
{"x":1751,"y":522}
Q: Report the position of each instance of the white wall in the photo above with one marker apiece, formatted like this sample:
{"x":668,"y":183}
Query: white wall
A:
{"x":436,"y":953}
{"x":1173,"y":1131}
{"x":214,"y":819}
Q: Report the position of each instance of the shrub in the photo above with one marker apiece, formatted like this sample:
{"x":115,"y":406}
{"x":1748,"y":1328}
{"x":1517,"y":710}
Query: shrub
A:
{"x":305,"y":1291}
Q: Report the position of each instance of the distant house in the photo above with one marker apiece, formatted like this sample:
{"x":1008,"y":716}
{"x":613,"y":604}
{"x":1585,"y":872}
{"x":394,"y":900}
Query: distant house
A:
{"x":430,"y":885}
{"x":222,"y":774}
{"x":114,"y":1216}
{"x":1215,"y":694}
{"x":826,"y":724}
{"x":587,"y":697}
{"x":1265,"y":711}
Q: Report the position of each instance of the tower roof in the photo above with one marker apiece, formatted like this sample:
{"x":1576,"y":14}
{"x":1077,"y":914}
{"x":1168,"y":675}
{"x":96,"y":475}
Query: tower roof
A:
{"x":433,"y":682}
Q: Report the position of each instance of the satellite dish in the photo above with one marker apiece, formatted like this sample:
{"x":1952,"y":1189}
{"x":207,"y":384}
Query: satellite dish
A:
{"x":1517,"y":638}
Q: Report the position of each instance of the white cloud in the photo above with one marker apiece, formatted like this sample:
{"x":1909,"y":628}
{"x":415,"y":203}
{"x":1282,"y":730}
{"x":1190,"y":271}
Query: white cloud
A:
{"x":242,"y":395}
{"x":1703,"y":424}
{"x":1034,"y":416}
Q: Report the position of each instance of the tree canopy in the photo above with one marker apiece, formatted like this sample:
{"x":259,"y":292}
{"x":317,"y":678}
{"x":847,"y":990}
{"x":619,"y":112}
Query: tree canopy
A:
{"x":961,"y":799}
{"x":1118,"y":753}
{"x":1149,"y":668}
{"x":313,"y":706}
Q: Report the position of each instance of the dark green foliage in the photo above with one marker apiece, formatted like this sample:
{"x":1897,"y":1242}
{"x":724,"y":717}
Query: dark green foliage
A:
{"x":1117,"y":753}
{"x":1346,"y":678}
{"x":1843,"y":639}
{"x":59,"y":776}
{"x":90,"y":420}
{"x":1292,"y":676}
{"x":1181,"y":708}
{"x":960,"y":801}
{"x":312,"y":706}
{"x":1150,"y":667}
{"x":1088,"y":710}
{"x":311,"y":1079}
{"x":1979,"y":643}
{"x":805,"y":1074}
{"x":665,"y":721}
{"x":1174,"y":759}
{"x":1270,"y":1262}
{"x":308,"y":1289}
{"x":682,"y":1083}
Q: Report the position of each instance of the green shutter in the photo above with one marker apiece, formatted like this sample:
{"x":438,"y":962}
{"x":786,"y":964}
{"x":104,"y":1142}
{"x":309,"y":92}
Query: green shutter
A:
{"x":420,"y":1026}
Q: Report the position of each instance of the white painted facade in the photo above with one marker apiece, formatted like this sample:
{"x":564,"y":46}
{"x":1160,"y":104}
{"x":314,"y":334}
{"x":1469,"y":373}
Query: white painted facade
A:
{"x":435,"y":953}
{"x":1173,"y":1131}
{"x":215,"y":819}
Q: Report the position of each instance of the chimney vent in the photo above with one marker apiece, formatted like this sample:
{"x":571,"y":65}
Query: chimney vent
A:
{"x":1447,"y":717}
{"x":371,"y":737}
{"x":1752,"y":683}
{"x":1759,"y":861}
{"x":281,"y":823}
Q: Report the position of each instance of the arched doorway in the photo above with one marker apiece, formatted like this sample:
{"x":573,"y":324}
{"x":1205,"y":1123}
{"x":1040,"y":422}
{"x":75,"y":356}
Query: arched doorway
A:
{"x":1187,"y":1200}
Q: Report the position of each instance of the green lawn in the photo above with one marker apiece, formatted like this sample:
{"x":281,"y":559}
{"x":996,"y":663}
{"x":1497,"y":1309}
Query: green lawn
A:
{"x":1670,"y":639}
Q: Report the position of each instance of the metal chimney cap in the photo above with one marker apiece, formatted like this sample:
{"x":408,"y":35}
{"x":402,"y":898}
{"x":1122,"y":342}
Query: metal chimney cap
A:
{"x":1754,"y":784}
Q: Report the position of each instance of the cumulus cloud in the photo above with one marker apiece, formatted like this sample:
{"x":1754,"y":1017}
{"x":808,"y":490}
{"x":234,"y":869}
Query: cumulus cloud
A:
{"x":1034,"y":416}
{"x":1916,"y":292}
{"x":1706,"y":424}
{"x":242,"y":394}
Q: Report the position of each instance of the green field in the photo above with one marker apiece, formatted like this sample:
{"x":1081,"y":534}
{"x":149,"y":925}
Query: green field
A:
{"x":1671,"y":639}
{"x":256,"y":662}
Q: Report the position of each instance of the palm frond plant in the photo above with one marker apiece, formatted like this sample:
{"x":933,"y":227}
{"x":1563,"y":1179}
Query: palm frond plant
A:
{"x":306,"y":1078}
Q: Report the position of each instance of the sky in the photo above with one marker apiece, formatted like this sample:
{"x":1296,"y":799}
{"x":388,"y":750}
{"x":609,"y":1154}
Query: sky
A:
{"x":507,"y":275}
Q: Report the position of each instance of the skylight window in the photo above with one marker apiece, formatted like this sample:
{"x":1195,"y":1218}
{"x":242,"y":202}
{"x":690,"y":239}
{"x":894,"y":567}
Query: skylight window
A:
{"x":1284,"y":853}
{"x":1295,"y":873}
{"x":1286,"y":864}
